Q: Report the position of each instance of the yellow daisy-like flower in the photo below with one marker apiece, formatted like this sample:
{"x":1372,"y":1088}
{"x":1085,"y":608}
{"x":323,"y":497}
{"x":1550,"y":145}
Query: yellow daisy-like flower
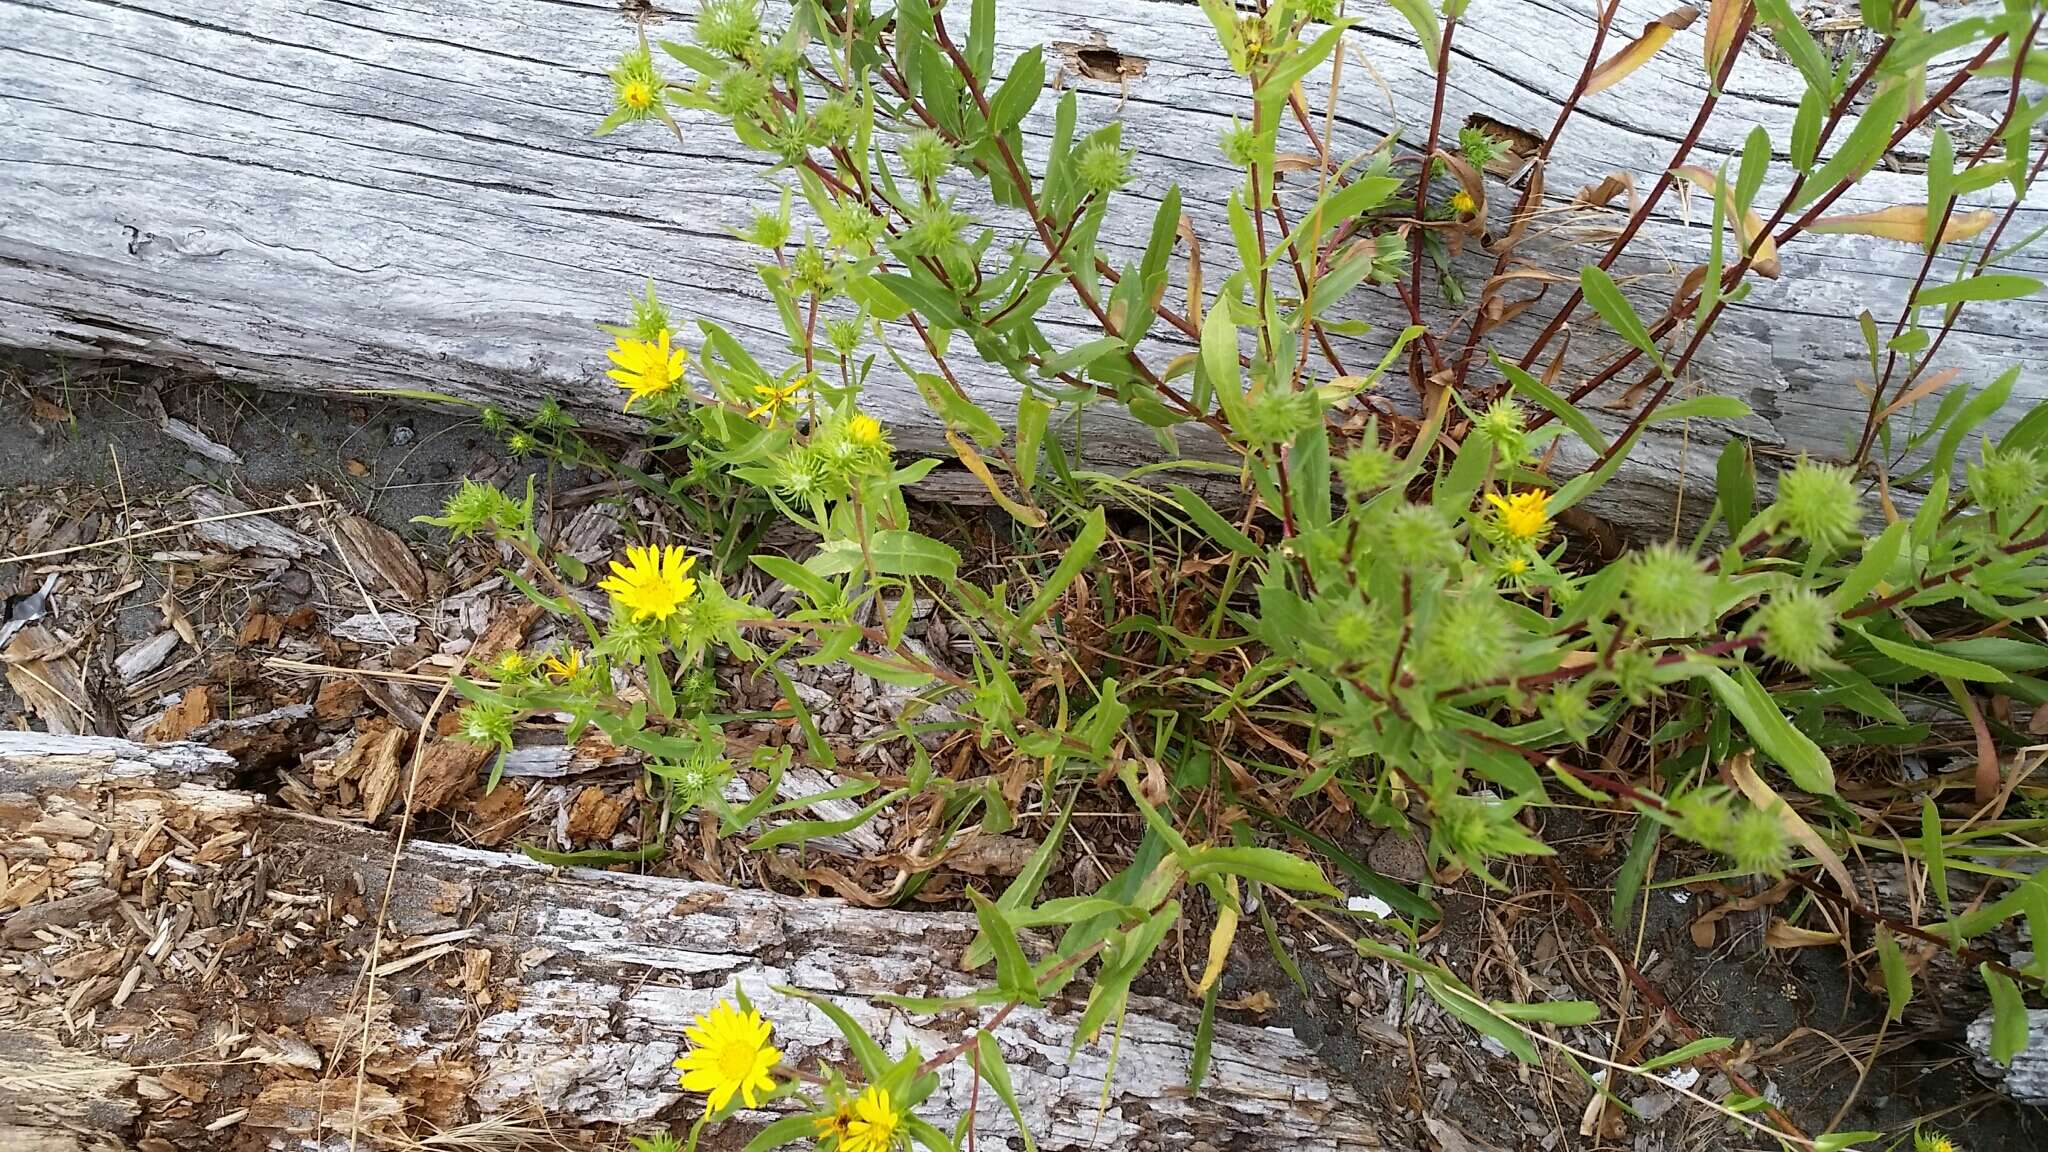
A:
{"x":1515,"y":566}
{"x":1462,"y":203}
{"x":775,"y":398}
{"x":1932,"y":1142}
{"x":863,"y":430}
{"x":874,"y":1123}
{"x":565,"y":666}
{"x":637,"y":95}
{"x":729,"y":1055}
{"x":834,"y":1125}
{"x":646,"y":368}
{"x":653,"y":582}
{"x":513,"y":663}
{"x":1523,"y":515}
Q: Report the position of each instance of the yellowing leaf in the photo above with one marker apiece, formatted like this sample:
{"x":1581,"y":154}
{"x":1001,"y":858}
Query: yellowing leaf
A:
{"x":975,"y":464}
{"x":1722,"y":17}
{"x":1906,"y":223}
{"x":1219,"y":941}
{"x":1617,"y":67}
{"x":1741,"y":770}
{"x":1779,"y":934}
{"x":1748,"y":225}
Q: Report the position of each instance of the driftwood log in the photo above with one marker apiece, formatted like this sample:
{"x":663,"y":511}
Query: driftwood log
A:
{"x":179,"y":958}
{"x":329,"y":196}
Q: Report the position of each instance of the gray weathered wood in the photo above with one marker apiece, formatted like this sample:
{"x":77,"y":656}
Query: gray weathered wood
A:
{"x":2026,"y":1078}
{"x":507,"y":988}
{"x":326,"y":195}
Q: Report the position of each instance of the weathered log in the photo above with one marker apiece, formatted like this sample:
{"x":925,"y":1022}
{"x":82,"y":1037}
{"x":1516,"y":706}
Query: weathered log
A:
{"x":506,"y":989}
{"x":2026,"y":1078}
{"x":334,"y":196}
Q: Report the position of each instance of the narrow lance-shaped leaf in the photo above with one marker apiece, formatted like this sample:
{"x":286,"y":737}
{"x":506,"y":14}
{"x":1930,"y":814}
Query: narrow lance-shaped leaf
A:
{"x":1907,"y":223}
{"x":1422,"y":18}
{"x":1722,"y":17}
{"x":1749,"y":227}
{"x":1616,"y":68}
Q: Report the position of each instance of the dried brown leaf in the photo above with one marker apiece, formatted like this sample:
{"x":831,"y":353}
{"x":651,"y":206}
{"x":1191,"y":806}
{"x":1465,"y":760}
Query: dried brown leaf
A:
{"x":1617,"y":67}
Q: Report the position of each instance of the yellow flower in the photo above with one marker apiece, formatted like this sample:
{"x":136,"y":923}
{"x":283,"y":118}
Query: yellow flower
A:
{"x":729,"y":1054}
{"x":513,"y":663}
{"x":1516,"y":566}
{"x":775,"y":398}
{"x":1932,"y":1142}
{"x":637,"y":95}
{"x":646,"y":368}
{"x":864,"y":431}
{"x":1523,"y":515}
{"x":1462,"y":202}
{"x":836,"y":1123}
{"x":565,"y":666}
{"x":874,"y":1123}
{"x":653,"y":582}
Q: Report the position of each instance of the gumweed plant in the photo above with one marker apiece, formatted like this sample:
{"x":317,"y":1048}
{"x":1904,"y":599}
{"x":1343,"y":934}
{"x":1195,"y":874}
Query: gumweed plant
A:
{"x":1391,"y":615}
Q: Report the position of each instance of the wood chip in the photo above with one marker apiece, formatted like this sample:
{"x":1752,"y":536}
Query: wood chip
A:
{"x":448,"y":770}
{"x":373,"y":548}
{"x":146,"y":657}
{"x":258,"y":534}
{"x":191,"y":710}
{"x":593,"y":815}
{"x":507,"y":631}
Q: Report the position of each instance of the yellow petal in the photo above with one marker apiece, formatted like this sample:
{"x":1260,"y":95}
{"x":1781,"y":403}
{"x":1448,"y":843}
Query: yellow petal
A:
{"x":1618,"y":66}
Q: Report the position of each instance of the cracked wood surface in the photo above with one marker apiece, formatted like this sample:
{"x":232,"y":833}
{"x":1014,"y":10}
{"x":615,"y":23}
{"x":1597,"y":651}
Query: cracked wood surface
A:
{"x":326,"y":195}
{"x":508,"y":988}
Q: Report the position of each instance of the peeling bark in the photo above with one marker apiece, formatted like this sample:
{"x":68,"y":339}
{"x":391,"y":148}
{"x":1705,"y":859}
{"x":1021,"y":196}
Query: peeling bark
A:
{"x":509,"y":989}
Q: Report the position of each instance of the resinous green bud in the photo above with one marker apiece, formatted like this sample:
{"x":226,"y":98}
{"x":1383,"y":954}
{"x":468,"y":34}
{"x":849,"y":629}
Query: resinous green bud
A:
{"x":1798,"y":628}
{"x":1818,"y":504}
{"x":1668,"y":593}
{"x":2006,"y":480}
{"x":729,"y":27}
{"x":926,"y":156}
{"x":1102,"y":168}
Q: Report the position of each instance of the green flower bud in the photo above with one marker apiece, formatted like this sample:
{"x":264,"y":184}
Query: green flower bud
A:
{"x":809,"y":270}
{"x":729,"y":27}
{"x":2006,"y":479}
{"x":1415,"y":537}
{"x":1798,"y":628}
{"x":1818,"y":504}
{"x":552,"y":416}
{"x":1471,"y":640}
{"x":1504,"y":426}
{"x":1102,"y":168}
{"x":519,"y":442}
{"x":1277,"y":417}
{"x":935,"y":228}
{"x":1668,"y":594}
{"x":487,"y":724}
{"x":1368,"y":467}
{"x":844,"y":336}
{"x":494,"y":420}
{"x":1478,"y":147}
{"x":833,"y":121}
{"x":1635,"y":675}
{"x":781,"y":58}
{"x":472,"y":508}
{"x":926,"y":156}
{"x":768,"y":230}
{"x":1703,"y":816}
{"x":1757,"y":842}
{"x":1240,"y":145}
{"x":853,"y":227}
{"x":742,"y":93}
{"x":1321,"y":11}
{"x":1570,"y":707}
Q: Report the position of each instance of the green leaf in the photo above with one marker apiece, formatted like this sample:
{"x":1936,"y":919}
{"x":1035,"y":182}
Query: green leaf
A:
{"x":1219,"y":354}
{"x":1018,"y":93}
{"x":1205,"y":1038}
{"x":1570,"y":1013}
{"x":873,"y":1061}
{"x":1032,"y":415}
{"x":787,"y":1130}
{"x":1933,"y":855}
{"x":981,"y":39}
{"x":1936,"y":663}
{"x":1867,"y":142}
{"x":1265,"y":865}
{"x":1687,"y":1052}
{"x":1898,"y":983}
{"x":798,"y":831}
{"x":1566,"y":411}
{"x":595,"y":857}
{"x":1277,"y":83}
{"x":1013,"y":971}
{"x":1209,"y":520}
{"x":1775,"y":736}
{"x":989,"y":1065}
{"x":949,"y":404}
{"x":1989,"y":286}
{"x":1605,"y":297}
{"x":2009,"y":1022}
{"x":896,"y":553}
{"x":1422,"y":18}
{"x":1082,"y":355}
{"x":1398,"y":896}
{"x":1843,"y":1141}
{"x":1878,"y":557}
{"x":1706,"y":407}
{"x":1635,"y":868}
{"x":1796,"y":42}
{"x":798,"y":577}
{"x":1735,"y":485}
{"x":1079,"y":554}
{"x":1460,"y":1003}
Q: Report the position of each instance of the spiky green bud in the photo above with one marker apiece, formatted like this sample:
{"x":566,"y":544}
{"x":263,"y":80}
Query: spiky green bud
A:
{"x":809,"y":270}
{"x":1477,"y":145}
{"x":1276,"y":416}
{"x":833,"y":122}
{"x":1240,"y":145}
{"x":1368,"y":467}
{"x":935,"y":227}
{"x":1798,"y":627}
{"x":1102,"y":168}
{"x":768,"y":230}
{"x":1757,"y":842}
{"x":1818,"y":504}
{"x":741,"y":93}
{"x":478,"y":722}
{"x":1415,"y":537}
{"x":926,"y":156}
{"x":2006,"y":479}
{"x":1667,"y":593}
{"x":1504,"y":425}
{"x":1471,"y":640}
{"x":729,"y":27}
